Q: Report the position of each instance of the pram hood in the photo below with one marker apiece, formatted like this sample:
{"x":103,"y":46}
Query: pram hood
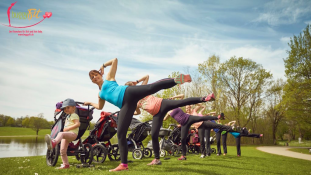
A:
{"x":135,"y":123}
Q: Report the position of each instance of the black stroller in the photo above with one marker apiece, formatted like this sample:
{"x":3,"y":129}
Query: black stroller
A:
{"x":83,"y":152}
{"x":104,"y":129}
{"x":168,"y":146}
{"x":139,"y":132}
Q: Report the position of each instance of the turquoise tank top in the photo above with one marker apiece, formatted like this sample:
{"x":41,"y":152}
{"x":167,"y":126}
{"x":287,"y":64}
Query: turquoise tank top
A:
{"x":112,"y":92}
{"x":235,"y":134}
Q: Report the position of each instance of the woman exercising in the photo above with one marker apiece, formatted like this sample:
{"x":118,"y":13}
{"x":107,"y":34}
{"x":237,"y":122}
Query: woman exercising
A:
{"x":158,"y":107}
{"x":126,"y":98}
{"x":186,"y":120}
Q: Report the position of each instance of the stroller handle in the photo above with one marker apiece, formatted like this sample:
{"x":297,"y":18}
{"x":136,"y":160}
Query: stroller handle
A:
{"x":88,"y":106}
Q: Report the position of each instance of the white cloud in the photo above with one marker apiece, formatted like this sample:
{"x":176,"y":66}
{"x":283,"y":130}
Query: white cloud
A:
{"x":280,"y":12}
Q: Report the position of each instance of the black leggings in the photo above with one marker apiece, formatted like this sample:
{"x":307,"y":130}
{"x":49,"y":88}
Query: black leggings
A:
{"x":157,"y":121}
{"x":238,"y":141}
{"x":185,"y":129}
{"x":131,"y":96}
{"x":224,"y":142}
{"x":202,"y":142}
{"x":208,"y":145}
{"x":207,"y":125}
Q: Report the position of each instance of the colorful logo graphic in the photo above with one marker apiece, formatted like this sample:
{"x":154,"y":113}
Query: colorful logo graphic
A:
{"x":24,"y":15}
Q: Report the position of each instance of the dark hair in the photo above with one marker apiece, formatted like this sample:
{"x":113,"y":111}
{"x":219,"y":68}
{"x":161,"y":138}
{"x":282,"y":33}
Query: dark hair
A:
{"x":129,"y":83}
{"x":92,"y":73}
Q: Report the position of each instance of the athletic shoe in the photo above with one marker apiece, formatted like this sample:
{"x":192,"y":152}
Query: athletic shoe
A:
{"x":218,"y":154}
{"x":50,"y":143}
{"x":224,"y":154}
{"x":182,"y":158}
{"x":210,"y":97}
{"x":62,"y":166}
{"x":119,"y":168}
{"x":261,"y":135}
{"x":239,"y":156}
{"x":221,"y":116}
{"x":155,"y":162}
{"x":202,"y":156}
{"x":181,"y":79}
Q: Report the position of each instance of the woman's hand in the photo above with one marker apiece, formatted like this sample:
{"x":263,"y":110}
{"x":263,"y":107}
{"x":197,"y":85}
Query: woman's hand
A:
{"x":179,"y":125}
{"x":65,"y":129}
{"x":101,"y":70}
{"x":87,"y":103}
{"x":171,"y":98}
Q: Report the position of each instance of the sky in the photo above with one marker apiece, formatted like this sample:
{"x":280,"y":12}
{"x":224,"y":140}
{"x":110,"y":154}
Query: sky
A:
{"x":147,"y":37}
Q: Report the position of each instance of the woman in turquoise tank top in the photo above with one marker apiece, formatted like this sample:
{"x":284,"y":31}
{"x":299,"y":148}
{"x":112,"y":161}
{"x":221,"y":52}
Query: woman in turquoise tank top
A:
{"x":126,"y":98}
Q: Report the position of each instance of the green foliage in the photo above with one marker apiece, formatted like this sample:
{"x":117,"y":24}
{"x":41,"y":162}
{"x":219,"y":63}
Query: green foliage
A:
{"x":38,"y":123}
{"x":10,"y":122}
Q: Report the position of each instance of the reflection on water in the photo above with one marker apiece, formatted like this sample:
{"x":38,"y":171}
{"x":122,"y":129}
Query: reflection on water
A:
{"x":22,"y":146}
{"x":25,"y":146}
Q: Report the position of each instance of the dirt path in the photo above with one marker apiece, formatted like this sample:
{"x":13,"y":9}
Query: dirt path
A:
{"x":283,"y":151}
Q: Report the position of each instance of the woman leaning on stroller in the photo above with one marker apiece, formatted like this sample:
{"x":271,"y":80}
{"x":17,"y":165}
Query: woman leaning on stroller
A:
{"x":126,"y":98}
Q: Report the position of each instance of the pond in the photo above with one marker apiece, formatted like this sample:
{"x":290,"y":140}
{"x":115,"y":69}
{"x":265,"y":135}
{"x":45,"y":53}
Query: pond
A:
{"x":25,"y":146}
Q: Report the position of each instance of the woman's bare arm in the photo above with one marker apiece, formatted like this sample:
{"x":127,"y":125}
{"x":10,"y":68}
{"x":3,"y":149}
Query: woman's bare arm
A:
{"x":181,"y":96}
{"x":144,"y":80}
{"x":198,"y":106}
{"x":112,"y":72}
{"x":98,"y":106}
{"x":202,"y":110}
{"x":167,"y":115}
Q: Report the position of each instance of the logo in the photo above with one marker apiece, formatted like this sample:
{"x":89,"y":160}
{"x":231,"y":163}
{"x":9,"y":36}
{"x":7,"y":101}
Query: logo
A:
{"x":31,"y":14}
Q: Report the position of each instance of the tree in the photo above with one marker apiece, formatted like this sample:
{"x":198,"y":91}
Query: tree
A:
{"x":10,"y":122}
{"x":276,"y":107}
{"x":38,"y":123}
{"x":298,"y":88}
{"x":25,"y":122}
{"x":243,"y":82}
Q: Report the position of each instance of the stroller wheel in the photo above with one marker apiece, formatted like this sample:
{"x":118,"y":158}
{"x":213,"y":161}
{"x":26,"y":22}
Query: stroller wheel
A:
{"x":147,"y":152}
{"x":213,"y":150}
{"x":99,"y":153}
{"x":162,"y":153}
{"x":114,"y":152}
{"x":175,"y":150}
{"x":137,"y":153}
{"x":87,"y":154}
{"x":52,"y":156}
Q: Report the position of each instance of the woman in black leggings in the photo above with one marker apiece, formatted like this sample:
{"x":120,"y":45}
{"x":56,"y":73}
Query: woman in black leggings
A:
{"x":186,"y":120}
{"x":126,"y":98}
{"x":158,"y":107}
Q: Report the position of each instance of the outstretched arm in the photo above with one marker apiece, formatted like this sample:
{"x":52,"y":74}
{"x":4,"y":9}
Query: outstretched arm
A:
{"x":112,"y":72}
{"x":181,"y":96}
{"x":98,"y":106}
{"x":167,"y":115}
{"x":202,"y":110}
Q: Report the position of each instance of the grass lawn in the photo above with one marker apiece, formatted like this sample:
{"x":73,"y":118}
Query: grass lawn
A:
{"x":17,"y":131}
{"x":252,"y":162}
{"x":305,"y":143}
{"x":300,"y":150}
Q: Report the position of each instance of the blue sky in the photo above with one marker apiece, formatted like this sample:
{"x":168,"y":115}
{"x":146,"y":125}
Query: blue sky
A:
{"x":148,"y":37}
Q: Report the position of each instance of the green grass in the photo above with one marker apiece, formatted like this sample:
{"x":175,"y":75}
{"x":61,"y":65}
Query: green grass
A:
{"x":252,"y":162}
{"x":301,"y":150}
{"x":305,"y":143}
{"x":17,"y":131}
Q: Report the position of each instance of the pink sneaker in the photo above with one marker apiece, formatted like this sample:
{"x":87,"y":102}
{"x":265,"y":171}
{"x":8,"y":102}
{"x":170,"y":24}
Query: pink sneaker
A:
{"x":62,"y":166}
{"x":155,"y":162}
{"x":210,"y":97}
{"x":119,"y":168}
{"x":50,"y":143}
{"x":261,"y":135}
{"x":182,"y":158}
{"x":181,"y":79}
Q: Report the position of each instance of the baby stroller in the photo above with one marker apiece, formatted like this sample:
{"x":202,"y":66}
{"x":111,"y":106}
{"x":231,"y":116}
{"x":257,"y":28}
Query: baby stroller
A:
{"x":166,"y":145}
{"x":193,"y":141}
{"x":139,"y":132}
{"x":83,"y":152}
{"x":212,"y":140}
{"x":104,"y":129}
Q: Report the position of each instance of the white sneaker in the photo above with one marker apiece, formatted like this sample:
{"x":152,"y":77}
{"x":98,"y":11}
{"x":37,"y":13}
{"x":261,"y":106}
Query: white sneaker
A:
{"x":202,"y":156}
